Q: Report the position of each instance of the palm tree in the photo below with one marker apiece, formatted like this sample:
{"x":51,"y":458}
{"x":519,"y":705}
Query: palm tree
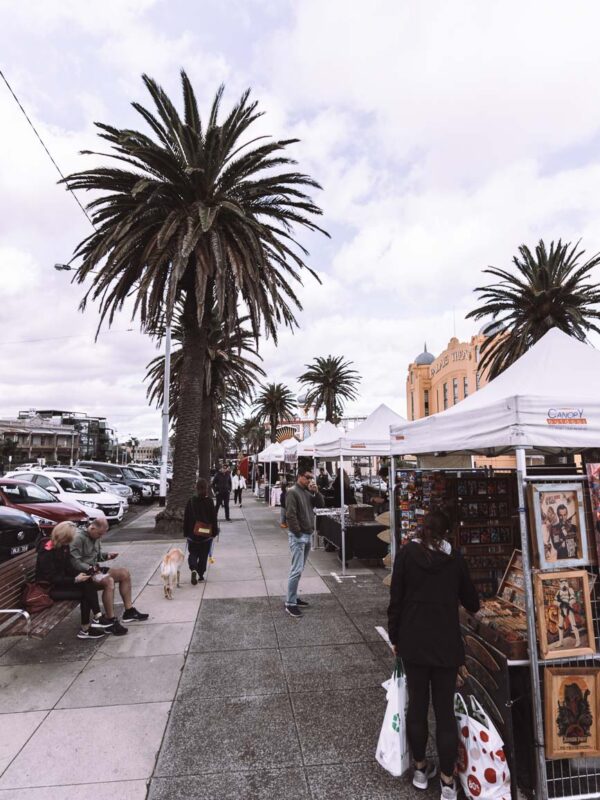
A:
{"x":230,"y":376}
{"x":330,"y":381}
{"x":252,"y":432}
{"x":548,"y":290}
{"x":197,"y":213}
{"x":275,"y":404}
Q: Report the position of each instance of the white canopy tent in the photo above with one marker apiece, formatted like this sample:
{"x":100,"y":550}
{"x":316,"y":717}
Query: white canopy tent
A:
{"x":549,"y":399}
{"x":277,"y":452}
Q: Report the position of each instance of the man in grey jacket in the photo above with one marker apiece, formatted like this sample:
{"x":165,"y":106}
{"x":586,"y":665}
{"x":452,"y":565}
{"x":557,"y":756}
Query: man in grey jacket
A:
{"x":300,"y":501}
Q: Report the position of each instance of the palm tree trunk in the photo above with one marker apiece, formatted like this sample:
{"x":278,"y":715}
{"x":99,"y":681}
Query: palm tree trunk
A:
{"x":205,"y":439}
{"x":187,"y":431}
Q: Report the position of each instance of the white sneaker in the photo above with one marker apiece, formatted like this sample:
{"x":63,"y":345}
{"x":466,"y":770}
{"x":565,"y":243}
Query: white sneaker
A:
{"x":421,"y":776}
{"x":448,"y":792}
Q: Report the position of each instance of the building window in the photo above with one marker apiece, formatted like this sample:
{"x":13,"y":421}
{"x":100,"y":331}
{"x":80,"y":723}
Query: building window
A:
{"x":426,"y":402}
{"x":437,"y":398}
{"x":477,"y":380}
{"x":465,"y":386}
{"x":445,"y":396}
{"x":412,"y":405}
{"x":412,"y":376}
{"x":454,"y":391}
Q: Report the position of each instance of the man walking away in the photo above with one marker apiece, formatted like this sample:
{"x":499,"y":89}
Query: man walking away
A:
{"x":222,"y":488}
{"x":300,"y":501}
{"x":238,"y":483}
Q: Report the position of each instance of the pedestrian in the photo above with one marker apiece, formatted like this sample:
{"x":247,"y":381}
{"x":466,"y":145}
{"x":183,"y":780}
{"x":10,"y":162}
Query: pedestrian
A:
{"x":238,"y":484}
{"x":54,"y":566}
{"x":429,"y":580}
{"x":282,"y":518}
{"x":222,"y":487}
{"x":322,"y":479}
{"x":199,"y":509}
{"x":300,"y":501}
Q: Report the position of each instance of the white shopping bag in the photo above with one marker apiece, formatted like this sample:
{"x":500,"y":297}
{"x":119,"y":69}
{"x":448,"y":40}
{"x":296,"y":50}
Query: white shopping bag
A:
{"x":482,"y":767}
{"x":392,"y":747}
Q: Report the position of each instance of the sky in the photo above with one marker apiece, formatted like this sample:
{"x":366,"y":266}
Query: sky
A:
{"x":444,"y":135}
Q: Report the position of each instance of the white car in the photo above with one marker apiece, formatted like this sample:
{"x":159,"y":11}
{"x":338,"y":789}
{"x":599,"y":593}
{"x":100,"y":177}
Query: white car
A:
{"x":99,"y":479}
{"x":75,"y":490}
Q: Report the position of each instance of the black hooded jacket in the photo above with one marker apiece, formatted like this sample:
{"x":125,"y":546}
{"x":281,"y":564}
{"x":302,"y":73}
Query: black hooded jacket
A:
{"x":427,"y":587}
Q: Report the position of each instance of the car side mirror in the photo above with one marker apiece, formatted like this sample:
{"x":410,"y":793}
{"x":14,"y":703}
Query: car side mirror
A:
{"x":53,"y":489}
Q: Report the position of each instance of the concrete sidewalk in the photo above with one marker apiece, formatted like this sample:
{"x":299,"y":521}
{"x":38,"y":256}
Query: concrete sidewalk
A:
{"x":220,"y":695}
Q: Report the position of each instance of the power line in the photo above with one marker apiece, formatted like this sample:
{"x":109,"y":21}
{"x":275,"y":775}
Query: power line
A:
{"x":33,"y":128}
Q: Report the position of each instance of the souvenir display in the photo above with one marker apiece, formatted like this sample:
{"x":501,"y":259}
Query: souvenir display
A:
{"x":593,"y":473}
{"x":557,"y":520}
{"x":564,"y":614}
{"x":571,"y":709}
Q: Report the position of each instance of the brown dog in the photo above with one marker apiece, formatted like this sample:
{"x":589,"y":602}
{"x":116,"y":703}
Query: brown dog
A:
{"x":170,"y":569}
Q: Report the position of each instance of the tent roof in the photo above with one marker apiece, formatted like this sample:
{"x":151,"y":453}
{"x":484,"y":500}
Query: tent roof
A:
{"x":549,"y":398}
{"x":276,"y":450}
{"x":324,"y":433}
{"x":370,"y":438}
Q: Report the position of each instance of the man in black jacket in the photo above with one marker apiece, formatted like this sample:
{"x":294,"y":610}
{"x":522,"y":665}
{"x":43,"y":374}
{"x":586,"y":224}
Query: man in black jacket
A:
{"x":222,"y":488}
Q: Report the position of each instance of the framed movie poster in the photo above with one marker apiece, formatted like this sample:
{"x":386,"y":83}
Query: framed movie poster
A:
{"x":564,"y":614}
{"x":558,"y":522}
{"x":593,"y":473}
{"x":571,"y":707}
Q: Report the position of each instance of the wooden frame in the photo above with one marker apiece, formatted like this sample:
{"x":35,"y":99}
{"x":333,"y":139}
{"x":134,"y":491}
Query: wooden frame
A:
{"x":564,"y":614}
{"x":593,"y":474}
{"x":557,"y":517}
{"x":571,"y":709}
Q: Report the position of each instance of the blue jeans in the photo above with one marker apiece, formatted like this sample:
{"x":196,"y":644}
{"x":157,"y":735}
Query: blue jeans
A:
{"x":300,"y":548}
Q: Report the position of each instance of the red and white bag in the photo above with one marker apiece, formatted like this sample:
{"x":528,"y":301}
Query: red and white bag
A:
{"x":482,"y":767}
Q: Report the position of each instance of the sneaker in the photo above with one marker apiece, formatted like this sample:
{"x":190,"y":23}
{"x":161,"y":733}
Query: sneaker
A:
{"x":421,"y":776}
{"x":194,"y":577}
{"x":303,"y":603}
{"x":283,"y":525}
{"x":448,"y":792}
{"x":117,"y":629}
{"x":133,"y":615}
{"x":293,"y":611}
{"x":101,"y":622}
{"x":90,"y":633}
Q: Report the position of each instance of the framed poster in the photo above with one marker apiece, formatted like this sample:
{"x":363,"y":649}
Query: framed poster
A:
{"x":571,"y":708}
{"x":593,"y":473}
{"x":564,"y":614}
{"x":558,"y":524}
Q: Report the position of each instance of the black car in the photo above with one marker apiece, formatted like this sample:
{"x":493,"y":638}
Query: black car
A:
{"x":18,"y":533}
{"x":142,"y":489}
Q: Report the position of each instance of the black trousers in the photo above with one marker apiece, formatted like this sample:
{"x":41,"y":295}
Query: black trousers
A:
{"x":223,"y":500}
{"x":85,"y":593}
{"x":237,"y":496}
{"x":198,"y":555}
{"x":442,"y":683}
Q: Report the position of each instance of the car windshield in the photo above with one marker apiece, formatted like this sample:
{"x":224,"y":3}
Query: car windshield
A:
{"x":129,"y":473}
{"x":26,"y":493}
{"x":139,"y":473}
{"x":94,"y":475}
{"x":77,"y":486}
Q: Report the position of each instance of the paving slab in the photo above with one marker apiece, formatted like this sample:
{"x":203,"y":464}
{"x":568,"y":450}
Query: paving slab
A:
{"x":339,"y":727}
{"x":236,"y":733}
{"x":15,"y":730}
{"x":155,"y":639}
{"x":182,"y":608}
{"x":289,"y":784}
{"x":35,"y":687}
{"x":239,"y":674}
{"x":232,"y":589}
{"x":330,"y":668}
{"x":105,"y":741}
{"x":115,"y":790}
{"x":367,"y":623}
{"x":321,"y":624}
{"x":366,"y":781}
{"x":108,"y":681}
{"x":230,"y":572}
{"x":277,"y":587}
{"x":234,"y":624}
{"x":60,"y":645}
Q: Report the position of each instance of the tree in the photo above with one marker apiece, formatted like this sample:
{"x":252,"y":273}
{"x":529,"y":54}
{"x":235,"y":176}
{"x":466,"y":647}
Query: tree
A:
{"x":275,"y":404}
{"x":330,"y":381}
{"x":550,"y":289}
{"x":251,"y":433}
{"x":196,"y":213}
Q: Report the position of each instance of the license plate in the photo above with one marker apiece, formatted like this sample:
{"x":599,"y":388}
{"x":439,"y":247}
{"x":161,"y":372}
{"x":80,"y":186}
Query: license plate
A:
{"x":14,"y":551}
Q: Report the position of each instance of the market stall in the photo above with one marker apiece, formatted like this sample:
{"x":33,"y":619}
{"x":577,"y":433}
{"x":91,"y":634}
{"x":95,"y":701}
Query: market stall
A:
{"x":544,"y":615}
{"x":272,"y":453}
{"x":370,"y":438}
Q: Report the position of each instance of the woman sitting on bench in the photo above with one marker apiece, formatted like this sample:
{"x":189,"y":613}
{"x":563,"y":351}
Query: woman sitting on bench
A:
{"x":54,"y":567}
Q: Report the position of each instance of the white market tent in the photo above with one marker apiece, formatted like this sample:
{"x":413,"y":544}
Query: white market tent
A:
{"x":277,"y":452}
{"x":549,"y":400}
{"x":324,"y":433}
{"x":370,"y":438}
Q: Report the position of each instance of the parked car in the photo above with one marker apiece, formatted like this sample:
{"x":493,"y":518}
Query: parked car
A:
{"x":122,"y":491}
{"x":141,"y":488}
{"x":74,"y":490}
{"x":18,"y":533}
{"x":44,"y":507}
{"x":145,"y":475}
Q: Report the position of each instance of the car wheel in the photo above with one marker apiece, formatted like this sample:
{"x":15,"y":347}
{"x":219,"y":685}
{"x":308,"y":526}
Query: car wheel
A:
{"x":136,"y":497}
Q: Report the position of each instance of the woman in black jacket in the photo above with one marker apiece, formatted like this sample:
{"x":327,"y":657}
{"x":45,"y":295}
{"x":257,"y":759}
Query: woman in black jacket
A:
{"x":429,"y":581}
{"x":54,"y":566}
{"x":199,"y":508}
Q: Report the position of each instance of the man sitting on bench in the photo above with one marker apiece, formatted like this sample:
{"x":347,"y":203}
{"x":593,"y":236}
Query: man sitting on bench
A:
{"x":87,"y":556}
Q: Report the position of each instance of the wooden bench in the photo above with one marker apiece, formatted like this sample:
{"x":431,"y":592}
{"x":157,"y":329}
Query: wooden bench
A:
{"x":14,"y":620}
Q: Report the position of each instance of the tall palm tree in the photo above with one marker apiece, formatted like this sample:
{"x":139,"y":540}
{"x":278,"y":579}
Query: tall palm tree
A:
{"x":252,"y":432}
{"x":331,"y":381}
{"x":550,"y":289}
{"x":275,"y":404}
{"x":200,"y":213}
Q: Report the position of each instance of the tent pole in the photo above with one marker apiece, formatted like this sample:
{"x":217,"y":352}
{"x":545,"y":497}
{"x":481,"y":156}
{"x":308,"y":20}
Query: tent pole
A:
{"x":392,"y":506}
{"x":342,"y":516}
{"x":538,"y":725}
{"x":314,"y":536}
